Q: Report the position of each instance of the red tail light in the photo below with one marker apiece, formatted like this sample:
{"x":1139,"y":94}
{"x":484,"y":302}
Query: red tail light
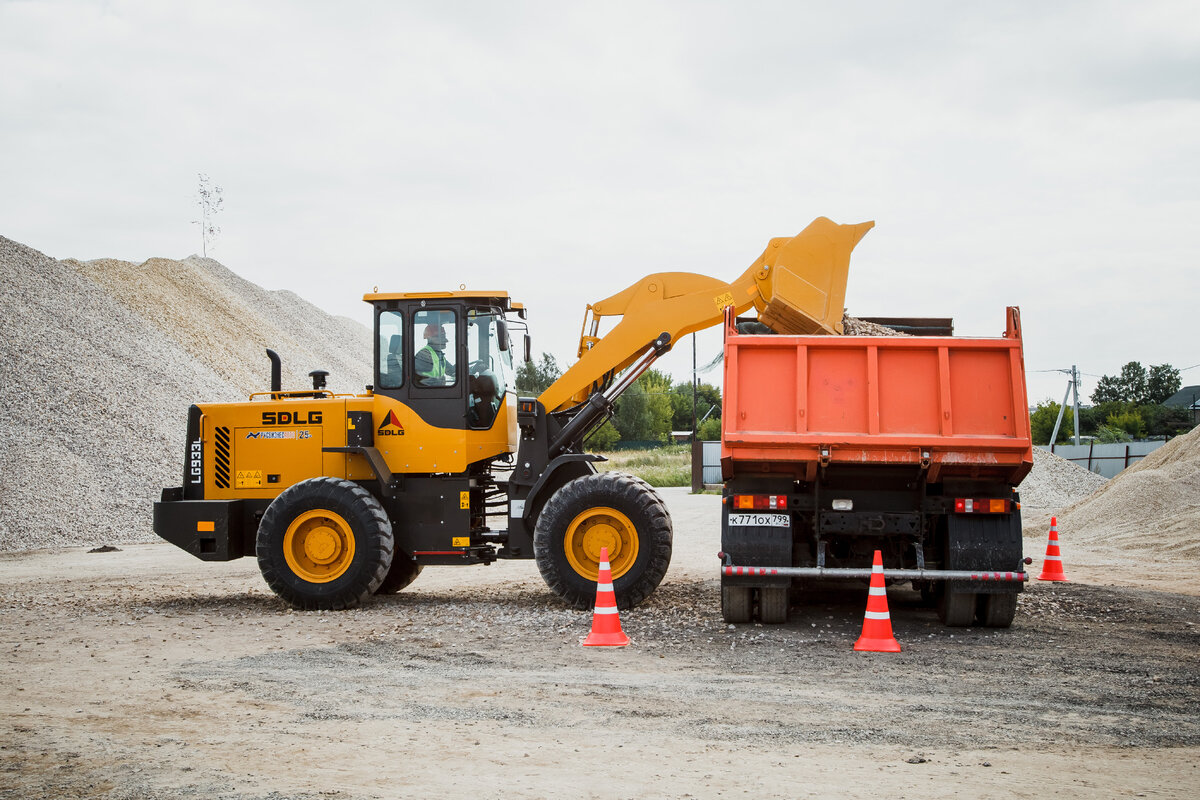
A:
{"x":760,"y":502}
{"x":981,"y":505}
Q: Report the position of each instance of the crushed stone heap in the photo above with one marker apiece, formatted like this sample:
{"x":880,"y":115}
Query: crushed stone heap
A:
{"x":104,"y":358}
{"x":1153,"y":506}
{"x":1055,"y":482}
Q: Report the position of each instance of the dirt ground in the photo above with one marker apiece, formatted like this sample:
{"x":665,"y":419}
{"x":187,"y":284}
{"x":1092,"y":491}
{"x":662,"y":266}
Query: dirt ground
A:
{"x":145,"y":673}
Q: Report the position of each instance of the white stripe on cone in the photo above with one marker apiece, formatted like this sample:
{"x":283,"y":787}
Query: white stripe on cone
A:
{"x":877,"y":615}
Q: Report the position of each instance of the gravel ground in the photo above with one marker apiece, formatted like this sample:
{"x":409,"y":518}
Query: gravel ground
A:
{"x":146,"y":673}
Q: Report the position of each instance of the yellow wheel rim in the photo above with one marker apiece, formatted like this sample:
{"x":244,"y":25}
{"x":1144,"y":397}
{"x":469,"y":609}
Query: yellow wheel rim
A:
{"x":319,"y":546}
{"x":601,"y":527}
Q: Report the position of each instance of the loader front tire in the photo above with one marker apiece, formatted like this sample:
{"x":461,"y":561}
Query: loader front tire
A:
{"x":404,"y":570}
{"x":324,"y":543}
{"x":611,"y":510}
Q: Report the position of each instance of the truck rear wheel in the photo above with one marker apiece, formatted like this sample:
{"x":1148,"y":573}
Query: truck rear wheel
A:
{"x":997,"y":610}
{"x":324,"y":543}
{"x":610,"y":510}
{"x":736,"y":603}
{"x":773,"y":604}
{"x":956,"y":609}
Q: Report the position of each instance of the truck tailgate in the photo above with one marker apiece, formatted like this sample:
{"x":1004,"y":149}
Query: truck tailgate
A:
{"x":955,"y":405}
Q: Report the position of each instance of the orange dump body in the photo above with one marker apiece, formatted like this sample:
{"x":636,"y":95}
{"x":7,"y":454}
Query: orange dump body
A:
{"x":956,"y":406}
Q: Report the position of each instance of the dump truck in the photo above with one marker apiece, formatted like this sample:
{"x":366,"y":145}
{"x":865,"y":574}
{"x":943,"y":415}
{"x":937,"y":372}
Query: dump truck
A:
{"x":834,"y":447}
{"x":339,"y":497}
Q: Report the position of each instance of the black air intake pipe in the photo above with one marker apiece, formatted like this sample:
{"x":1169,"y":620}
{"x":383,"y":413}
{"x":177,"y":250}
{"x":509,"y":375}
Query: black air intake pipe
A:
{"x":276,"y":371}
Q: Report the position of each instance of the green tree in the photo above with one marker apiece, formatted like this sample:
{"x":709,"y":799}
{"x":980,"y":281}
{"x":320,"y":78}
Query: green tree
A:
{"x":707,"y":396}
{"x":1129,"y":421}
{"x":1165,"y":421}
{"x":533,"y":378}
{"x":603,"y":438}
{"x":1041,"y":422}
{"x":709,"y":430}
{"x":1163,"y":382}
{"x":644,"y":411}
{"x":1131,"y":386}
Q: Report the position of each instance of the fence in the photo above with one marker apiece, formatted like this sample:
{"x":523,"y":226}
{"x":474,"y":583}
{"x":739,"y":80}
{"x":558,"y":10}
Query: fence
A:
{"x":1104,"y":459}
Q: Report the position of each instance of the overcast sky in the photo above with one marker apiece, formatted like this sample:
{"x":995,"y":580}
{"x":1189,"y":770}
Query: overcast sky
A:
{"x":1038,"y":154}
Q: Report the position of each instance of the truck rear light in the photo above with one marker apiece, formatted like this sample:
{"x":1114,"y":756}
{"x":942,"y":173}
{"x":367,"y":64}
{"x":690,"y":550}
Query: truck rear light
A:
{"x":843,"y":504}
{"x":760,"y":501}
{"x":971,"y":505}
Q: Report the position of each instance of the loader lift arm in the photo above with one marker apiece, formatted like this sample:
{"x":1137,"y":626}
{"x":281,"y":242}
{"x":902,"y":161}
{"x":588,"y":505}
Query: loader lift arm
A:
{"x":798,"y":286}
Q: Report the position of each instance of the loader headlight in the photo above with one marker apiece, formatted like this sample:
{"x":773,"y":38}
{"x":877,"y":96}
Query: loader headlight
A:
{"x":843,"y":504}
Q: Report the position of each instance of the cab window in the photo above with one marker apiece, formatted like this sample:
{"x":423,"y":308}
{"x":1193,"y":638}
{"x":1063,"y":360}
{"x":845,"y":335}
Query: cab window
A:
{"x":434,"y":348}
{"x":391,"y":349}
{"x":490,"y":366}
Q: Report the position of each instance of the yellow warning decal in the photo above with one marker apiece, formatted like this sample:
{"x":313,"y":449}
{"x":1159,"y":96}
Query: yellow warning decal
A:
{"x":203,"y":526}
{"x":248,"y":479}
{"x":723,"y":300}
{"x":460,"y":541}
{"x":464,"y":500}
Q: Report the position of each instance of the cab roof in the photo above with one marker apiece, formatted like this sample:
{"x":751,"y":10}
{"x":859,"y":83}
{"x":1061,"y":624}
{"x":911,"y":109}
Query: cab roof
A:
{"x":500,"y":299}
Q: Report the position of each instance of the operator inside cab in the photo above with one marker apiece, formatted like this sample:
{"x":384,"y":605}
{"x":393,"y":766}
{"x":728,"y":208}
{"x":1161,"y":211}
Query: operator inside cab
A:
{"x":430,"y":364}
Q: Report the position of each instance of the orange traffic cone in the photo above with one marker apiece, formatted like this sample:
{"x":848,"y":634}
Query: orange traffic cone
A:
{"x":1052,"y":569}
{"x":877,"y":622}
{"x":606,"y":624}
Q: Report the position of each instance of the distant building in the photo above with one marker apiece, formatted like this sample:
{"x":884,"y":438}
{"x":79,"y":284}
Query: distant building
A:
{"x":1188,"y":397}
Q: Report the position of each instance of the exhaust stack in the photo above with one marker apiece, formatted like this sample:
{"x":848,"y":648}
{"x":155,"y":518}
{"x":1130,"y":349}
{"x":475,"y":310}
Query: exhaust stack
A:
{"x":276,"y":371}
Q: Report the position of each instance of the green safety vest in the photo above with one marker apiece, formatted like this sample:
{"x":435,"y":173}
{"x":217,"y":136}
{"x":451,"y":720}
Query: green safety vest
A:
{"x":438,"y":360}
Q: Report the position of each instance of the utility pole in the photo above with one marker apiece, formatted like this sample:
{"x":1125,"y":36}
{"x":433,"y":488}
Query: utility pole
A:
{"x":1072,"y":388}
{"x":693,"y":386}
{"x":1075,"y":391}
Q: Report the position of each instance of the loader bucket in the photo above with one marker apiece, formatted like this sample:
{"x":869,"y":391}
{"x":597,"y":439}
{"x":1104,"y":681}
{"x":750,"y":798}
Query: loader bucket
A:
{"x":803,"y":279}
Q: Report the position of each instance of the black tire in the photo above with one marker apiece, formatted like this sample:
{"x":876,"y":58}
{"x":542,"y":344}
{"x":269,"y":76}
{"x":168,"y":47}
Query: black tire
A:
{"x":956,"y":609}
{"x":404,"y":570}
{"x":773,"y":605}
{"x":639,"y":533}
{"x":996,"y":610}
{"x":307,"y":522}
{"x":735,"y":603}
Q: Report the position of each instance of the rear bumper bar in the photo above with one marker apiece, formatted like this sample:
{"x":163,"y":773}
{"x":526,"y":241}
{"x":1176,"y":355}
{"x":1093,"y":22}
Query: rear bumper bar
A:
{"x":888,"y":574}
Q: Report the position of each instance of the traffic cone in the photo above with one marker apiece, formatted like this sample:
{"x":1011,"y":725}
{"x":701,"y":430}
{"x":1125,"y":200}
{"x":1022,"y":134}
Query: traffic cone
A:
{"x":1052,"y":569}
{"x":606,"y":624}
{"x":877,"y":622}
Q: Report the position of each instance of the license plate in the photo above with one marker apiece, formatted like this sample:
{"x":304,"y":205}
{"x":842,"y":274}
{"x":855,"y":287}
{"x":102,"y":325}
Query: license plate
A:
{"x":761,"y":520}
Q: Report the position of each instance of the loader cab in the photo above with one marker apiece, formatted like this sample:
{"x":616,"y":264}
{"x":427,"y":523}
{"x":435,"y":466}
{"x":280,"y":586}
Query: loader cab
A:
{"x":447,"y":356}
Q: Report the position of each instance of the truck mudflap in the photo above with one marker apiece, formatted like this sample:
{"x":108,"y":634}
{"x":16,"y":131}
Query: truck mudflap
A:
{"x":211,"y":530}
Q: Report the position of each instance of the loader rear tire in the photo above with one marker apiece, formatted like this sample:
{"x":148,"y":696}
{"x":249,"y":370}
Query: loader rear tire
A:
{"x":610,"y":510}
{"x":402,"y":573}
{"x":324,"y":544}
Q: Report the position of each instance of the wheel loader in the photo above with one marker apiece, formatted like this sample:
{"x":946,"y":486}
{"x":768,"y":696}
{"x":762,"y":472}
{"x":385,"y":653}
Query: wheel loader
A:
{"x":343,"y":496}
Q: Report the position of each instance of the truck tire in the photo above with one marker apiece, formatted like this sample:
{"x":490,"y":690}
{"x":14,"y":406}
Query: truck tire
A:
{"x":404,"y":570}
{"x":997,"y":610}
{"x":773,"y":605}
{"x":956,"y":609}
{"x":324,"y":543}
{"x":610,"y":510}
{"x":735,"y":603}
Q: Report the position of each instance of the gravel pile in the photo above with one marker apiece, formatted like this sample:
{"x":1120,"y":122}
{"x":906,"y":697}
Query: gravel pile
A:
{"x":1151,"y":507}
{"x":853,"y":326}
{"x":104,"y":358}
{"x":1056,"y":482}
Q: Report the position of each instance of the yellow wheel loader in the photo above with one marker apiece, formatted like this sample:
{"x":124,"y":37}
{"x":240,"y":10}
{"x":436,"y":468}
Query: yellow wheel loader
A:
{"x":343,"y":496}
